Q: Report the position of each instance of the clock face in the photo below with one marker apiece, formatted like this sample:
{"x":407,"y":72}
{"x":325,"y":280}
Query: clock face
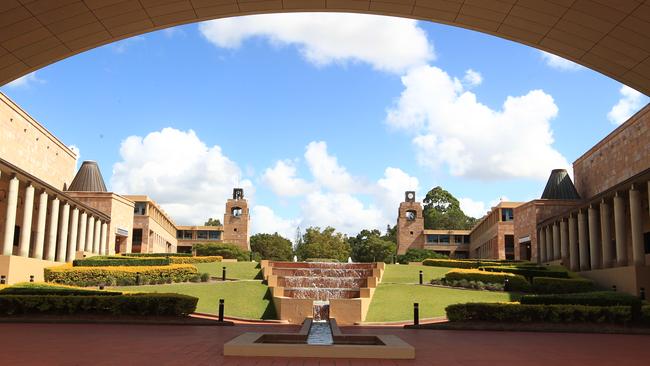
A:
{"x":411,"y":196}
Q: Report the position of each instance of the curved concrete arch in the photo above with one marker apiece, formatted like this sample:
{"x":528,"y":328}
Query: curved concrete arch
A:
{"x":611,"y":37}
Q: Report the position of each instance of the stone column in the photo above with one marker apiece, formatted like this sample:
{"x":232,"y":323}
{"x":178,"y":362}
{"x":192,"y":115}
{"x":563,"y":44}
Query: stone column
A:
{"x":606,"y":234}
{"x":556,"y":241}
{"x":40,"y":226}
{"x":103,"y":248}
{"x":10,"y":218}
{"x":98,"y":227}
{"x":594,"y":240}
{"x":26,"y":228}
{"x":564,"y":243}
{"x":583,"y":241}
{"x":636,"y":226}
{"x":89,"y":234}
{"x":541,"y":244}
{"x":54,"y":226}
{"x":83,"y":221}
{"x":573,"y":244}
{"x":549,"y":244}
{"x":74,"y":234}
{"x":63,"y":233}
{"x":620,"y":230}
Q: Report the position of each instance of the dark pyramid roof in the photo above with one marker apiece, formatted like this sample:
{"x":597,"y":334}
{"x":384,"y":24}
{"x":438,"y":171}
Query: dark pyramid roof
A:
{"x":560,"y":187}
{"x":88,"y":179}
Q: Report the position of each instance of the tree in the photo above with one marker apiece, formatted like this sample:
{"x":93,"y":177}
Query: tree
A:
{"x":326,"y":244}
{"x":371,"y":246}
{"x":442,"y":211}
{"x":272,"y":246}
{"x":212,"y":222}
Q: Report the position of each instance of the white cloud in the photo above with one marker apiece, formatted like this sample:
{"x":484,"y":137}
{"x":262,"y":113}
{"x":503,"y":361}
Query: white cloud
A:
{"x":386,"y":43}
{"x":630,"y":102}
{"x":122,"y":46}
{"x":559,"y":63}
{"x":342,"y":211}
{"x":189,"y":179}
{"x":326,"y":170}
{"x":389,"y":191}
{"x":478,"y":209}
{"x":472,"y":78}
{"x":25,"y":81}
{"x":281,"y":179}
{"x":453,"y":128}
{"x":264,"y":220}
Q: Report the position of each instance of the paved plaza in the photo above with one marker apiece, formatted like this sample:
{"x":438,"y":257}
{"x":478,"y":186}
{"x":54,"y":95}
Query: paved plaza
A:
{"x":97,"y":344}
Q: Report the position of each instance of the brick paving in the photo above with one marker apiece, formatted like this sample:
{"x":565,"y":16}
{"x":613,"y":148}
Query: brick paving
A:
{"x":124,"y":345}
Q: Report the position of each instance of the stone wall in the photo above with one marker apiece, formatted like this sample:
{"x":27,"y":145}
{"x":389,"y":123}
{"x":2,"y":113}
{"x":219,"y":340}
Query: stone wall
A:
{"x":622,"y":154}
{"x":28,"y":145}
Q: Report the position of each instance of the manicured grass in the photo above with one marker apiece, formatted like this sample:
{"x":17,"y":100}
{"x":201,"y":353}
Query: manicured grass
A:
{"x":404,"y":273}
{"x":234,"y":270}
{"x":246,"y":299}
{"x":394,"y":302}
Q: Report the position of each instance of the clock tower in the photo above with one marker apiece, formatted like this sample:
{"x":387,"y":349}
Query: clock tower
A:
{"x":410,"y":224}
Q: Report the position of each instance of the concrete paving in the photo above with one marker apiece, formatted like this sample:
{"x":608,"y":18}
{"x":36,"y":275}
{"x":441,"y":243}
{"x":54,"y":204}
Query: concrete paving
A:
{"x":124,"y":345}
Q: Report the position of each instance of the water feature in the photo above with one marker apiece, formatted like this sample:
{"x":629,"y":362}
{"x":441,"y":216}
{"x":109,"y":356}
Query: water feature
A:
{"x":320,"y":333}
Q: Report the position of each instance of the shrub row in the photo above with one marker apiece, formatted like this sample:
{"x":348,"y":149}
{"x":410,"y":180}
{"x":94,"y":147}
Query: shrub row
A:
{"x":528,"y":271}
{"x":516,"y":282}
{"x":471,"y":263}
{"x":135,"y":304}
{"x":475,"y":285}
{"x":157,"y":255}
{"x":645,"y":314}
{"x":28,"y":288}
{"x":548,"y":285}
{"x":514,"y":312}
{"x":596,"y":298}
{"x":107,"y":261}
{"x":120,"y":276}
{"x":226,"y":251}
{"x":189,"y":260}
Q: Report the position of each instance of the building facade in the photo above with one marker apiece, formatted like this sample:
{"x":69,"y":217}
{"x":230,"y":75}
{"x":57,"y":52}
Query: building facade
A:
{"x":153,"y":230}
{"x":187,"y":236}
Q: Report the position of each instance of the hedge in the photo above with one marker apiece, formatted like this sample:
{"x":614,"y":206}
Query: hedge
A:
{"x":597,"y":298}
{"x":528,"y":271}
{"x":520,"y":313}
{"x":134,"y":304}
{"x":227,"y":251}
{"x":471,"y":263}
{"x":157,"y":255}
{"x":645,"y":314}
{"x":187,"y":260}
{"x":548,"y":285}
{"x":106,"y":261}
{"x":29,"y":288}
{"x":120,"y":276}
{"x":516,"y":282}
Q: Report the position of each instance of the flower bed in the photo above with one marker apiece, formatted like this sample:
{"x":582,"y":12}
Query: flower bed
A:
{"x":120,"y":276}
{"x":515,"y":282}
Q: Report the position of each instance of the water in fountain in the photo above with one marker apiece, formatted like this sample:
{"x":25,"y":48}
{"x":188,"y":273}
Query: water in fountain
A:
{"x":320,"y":333}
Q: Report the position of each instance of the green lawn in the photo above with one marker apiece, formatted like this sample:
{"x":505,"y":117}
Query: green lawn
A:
{"x":235,"y":270}
{"x":246,"y":299}
{"x":394,"y":302}
{"x":404,"y":273}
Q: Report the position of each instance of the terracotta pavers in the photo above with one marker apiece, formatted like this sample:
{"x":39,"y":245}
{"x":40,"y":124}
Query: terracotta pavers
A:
{"x":124,"y":345}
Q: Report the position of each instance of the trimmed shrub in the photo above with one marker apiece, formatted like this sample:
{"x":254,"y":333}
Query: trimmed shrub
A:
{"x":158,"y":255}
{"x":548,"y":285}
{"x":528,"y":271}
{"x":226,"y":251}
{"x":475,"y":285}
{"x":205,"y":277}
{"x":475,"y":263}
{"x":598,"y":298}
{"x":134,"y":304}
{"x":120,"y":276}
{"x":418,"y":255}
{"x":516,"y":282}
{"x":518,"y":313}
{"x":106,"y":261}
{"x":189,"y":260}
{"x":29,"y":288}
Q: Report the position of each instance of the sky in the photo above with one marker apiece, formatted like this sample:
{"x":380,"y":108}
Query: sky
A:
{"x":323,"y":119}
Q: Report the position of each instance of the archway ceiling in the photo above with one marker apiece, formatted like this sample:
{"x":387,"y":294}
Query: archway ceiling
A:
{"x":609,"y":36}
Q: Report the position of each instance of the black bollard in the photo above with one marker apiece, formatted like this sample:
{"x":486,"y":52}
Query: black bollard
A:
{"x":220,"y":310}
{"x":506,"y":285}
{"x":31,"y":278}
{"x":137,"y":278}
{"x":2,"y":280}
{"x":416,"y":313}
{"x":420,"y":277}
{"x":642,"y":294}
{"x":614,"y":288}
{"x":223,"y":273}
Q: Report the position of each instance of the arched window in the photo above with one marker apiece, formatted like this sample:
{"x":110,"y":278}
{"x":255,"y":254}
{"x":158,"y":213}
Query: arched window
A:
{"x":411,"y":215}
{"x":236,"y":211}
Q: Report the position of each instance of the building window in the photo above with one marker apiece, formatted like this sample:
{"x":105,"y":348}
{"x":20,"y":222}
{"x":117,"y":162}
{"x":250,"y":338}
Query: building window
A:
{"x":214,"y":235}
{"x":187,"y":234}
{"x":458,"y":239}
{"x":236,"y":211}
{"x":137,"y":236}
{"x":140,"y":208}
{"x":432,"y":238}
{"x":179,"y":234}
{"x":510,"y":246}
{"x":202,"y":234}
{"x":507,"y":214}
{"x":444,"y":239}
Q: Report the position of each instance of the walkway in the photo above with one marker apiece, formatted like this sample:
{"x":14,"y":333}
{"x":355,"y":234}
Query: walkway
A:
{"x":124,"y":345}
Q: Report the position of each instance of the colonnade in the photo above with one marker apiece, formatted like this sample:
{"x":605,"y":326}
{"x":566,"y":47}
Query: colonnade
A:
{"x":596,"y":236}
{"x":62,"y":226}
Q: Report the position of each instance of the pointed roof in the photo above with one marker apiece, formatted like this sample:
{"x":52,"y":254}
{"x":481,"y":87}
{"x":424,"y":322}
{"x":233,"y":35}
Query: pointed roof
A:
{"x":88,"y":178}
{"x":560,"y":187}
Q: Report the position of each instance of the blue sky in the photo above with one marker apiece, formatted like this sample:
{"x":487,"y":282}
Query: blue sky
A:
{"x":325,"y":119}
